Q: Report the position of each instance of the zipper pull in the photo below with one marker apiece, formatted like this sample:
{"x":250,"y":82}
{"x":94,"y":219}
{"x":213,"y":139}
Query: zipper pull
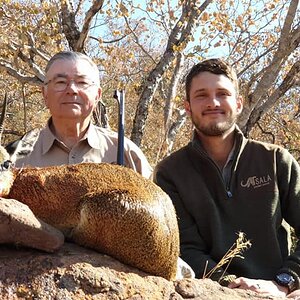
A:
{"x":229,"y":194}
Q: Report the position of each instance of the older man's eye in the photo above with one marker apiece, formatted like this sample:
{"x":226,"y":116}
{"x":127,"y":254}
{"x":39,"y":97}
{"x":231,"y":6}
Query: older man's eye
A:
{"x":83,"y":82}
{"x":60,"y":81}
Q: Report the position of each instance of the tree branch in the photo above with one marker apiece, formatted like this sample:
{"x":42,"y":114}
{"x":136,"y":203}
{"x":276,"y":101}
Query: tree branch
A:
{"x":8,"y":68}
{"x":93,"y":10}
{"x":286,"y":45}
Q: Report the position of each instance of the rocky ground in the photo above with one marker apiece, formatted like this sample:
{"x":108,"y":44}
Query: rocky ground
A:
{"x":75,"y":272}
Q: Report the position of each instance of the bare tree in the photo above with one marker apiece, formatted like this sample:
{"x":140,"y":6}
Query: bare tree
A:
{"x":266,"y":53}
{"x":262,"y":90}
{"x":179,"y":36}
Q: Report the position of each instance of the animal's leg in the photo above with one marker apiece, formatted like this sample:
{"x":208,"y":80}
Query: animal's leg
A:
{"x":134,"y":232}
{"x":18,"y":225}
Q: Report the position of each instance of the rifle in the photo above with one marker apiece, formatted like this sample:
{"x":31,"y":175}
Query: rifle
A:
{"x":120,"y":97}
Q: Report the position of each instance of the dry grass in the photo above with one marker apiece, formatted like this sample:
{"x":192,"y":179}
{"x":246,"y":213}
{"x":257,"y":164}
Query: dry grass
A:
{"x":241,"y":244}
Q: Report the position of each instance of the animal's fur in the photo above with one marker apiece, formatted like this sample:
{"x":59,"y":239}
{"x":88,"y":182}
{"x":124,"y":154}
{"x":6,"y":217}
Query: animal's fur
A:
{"x":106,"y":207}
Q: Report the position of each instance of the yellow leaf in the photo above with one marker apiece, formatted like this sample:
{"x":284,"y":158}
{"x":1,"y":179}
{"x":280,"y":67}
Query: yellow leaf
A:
{"x":116,"y":32}
{"x":205,"y":16}
{"x":124,"y":10}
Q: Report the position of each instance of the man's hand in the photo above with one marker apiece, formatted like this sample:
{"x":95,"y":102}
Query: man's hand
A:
{"x":265,"y":287}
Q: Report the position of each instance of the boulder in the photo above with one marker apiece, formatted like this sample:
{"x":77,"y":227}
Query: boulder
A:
{"x":20,"y":226}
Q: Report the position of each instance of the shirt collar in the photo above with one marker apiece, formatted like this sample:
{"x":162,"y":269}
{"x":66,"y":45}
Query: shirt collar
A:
{"x":93,"y":139}
{"x":48,"y":138}
{"x":231,"y":153}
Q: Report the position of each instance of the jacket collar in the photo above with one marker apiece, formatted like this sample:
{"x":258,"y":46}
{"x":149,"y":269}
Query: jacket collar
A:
{"x":240,"y":142}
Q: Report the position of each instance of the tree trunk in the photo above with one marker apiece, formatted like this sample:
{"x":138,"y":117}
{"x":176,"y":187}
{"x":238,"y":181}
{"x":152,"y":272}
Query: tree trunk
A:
{"x":179,"y":37}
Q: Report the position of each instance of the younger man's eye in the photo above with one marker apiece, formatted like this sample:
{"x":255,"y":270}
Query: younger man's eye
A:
{"x":200,"y":96}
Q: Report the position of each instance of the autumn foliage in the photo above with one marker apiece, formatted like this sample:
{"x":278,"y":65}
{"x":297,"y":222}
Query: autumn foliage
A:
{"x":146,"y":49}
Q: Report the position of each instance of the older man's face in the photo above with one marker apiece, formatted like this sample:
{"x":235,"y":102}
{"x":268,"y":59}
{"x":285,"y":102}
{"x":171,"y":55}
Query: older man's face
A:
{"x":72,"y":90}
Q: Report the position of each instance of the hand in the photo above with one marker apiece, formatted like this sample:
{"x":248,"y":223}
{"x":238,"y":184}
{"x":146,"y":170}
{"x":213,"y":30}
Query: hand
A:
{"x":265,"y":287}
{"x":294,"y":295}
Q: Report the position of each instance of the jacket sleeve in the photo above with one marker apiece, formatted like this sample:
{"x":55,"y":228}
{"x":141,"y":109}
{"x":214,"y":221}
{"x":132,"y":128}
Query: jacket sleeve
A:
{"x":192,"y":247}
{"x":289,"y":188}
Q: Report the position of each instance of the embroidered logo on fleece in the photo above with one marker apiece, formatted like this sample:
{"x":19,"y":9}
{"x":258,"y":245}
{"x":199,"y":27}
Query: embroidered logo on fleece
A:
{"x":256,"y":182}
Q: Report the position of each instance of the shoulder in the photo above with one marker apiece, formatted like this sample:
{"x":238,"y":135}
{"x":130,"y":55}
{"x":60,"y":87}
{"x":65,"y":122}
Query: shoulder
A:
{"x":101,"y":138}
{"x":267,"y":147}
{"x":134,"y":156}
{"x":279,"y":155}
{"x":24,"y":145}
{"x":264,"y":145}
{"x":171,"y":170}
{"x":175,"y":159}
{"x":103,"y":131}
{"x":111,"y":137}
{"x":255,"y":147}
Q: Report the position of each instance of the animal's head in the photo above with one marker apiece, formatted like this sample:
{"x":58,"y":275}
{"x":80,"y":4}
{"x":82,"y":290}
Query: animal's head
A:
{"x":6,"y":174}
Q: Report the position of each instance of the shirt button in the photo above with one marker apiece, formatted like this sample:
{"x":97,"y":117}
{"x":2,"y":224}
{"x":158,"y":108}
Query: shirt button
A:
{"x":72,"y":159}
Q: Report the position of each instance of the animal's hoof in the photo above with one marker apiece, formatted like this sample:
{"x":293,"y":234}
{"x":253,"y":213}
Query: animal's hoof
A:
{"x":18,"y":225}
{"x":184,"y":270}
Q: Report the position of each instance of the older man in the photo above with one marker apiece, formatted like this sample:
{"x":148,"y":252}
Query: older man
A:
{"x":71,"y":92}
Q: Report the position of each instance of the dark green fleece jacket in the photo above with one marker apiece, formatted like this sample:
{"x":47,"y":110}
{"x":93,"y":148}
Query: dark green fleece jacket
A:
{"x":264,"y":189}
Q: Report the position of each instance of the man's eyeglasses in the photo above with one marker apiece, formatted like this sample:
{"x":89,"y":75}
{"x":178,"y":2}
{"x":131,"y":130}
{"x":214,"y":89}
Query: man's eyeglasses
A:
{"x":60,"y":84}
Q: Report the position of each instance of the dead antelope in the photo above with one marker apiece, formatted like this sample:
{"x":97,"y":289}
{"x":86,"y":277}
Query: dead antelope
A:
{"x":109,"y":208}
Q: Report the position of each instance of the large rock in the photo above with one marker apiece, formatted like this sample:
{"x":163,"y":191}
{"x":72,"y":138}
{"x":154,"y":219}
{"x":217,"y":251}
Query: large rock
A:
{"x":75,"y":272}
{"x":20,"y":226}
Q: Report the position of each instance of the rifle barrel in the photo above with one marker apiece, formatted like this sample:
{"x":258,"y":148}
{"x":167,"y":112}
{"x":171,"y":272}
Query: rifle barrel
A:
{"x":120,"y":97}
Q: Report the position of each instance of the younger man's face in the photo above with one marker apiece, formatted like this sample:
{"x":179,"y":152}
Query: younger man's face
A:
{"x":214,"y":104}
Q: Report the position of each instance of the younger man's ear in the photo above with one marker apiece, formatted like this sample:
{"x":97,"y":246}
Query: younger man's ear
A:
{"x":240,"y":105}
{"x":187,"y":107}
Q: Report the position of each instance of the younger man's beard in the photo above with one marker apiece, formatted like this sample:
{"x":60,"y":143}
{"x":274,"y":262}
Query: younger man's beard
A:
{"x":214,"y":129}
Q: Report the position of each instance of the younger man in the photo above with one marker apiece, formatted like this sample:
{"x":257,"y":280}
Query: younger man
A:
{"x":222,"y":183}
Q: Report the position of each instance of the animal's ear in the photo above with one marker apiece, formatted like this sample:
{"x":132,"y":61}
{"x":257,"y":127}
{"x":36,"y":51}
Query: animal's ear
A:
{"x":4,"y":156}
{"x":2,"y":116}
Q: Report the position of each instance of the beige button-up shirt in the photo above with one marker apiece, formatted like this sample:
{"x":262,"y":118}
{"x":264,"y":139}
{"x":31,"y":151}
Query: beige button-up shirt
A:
{"x":41,"y":148}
